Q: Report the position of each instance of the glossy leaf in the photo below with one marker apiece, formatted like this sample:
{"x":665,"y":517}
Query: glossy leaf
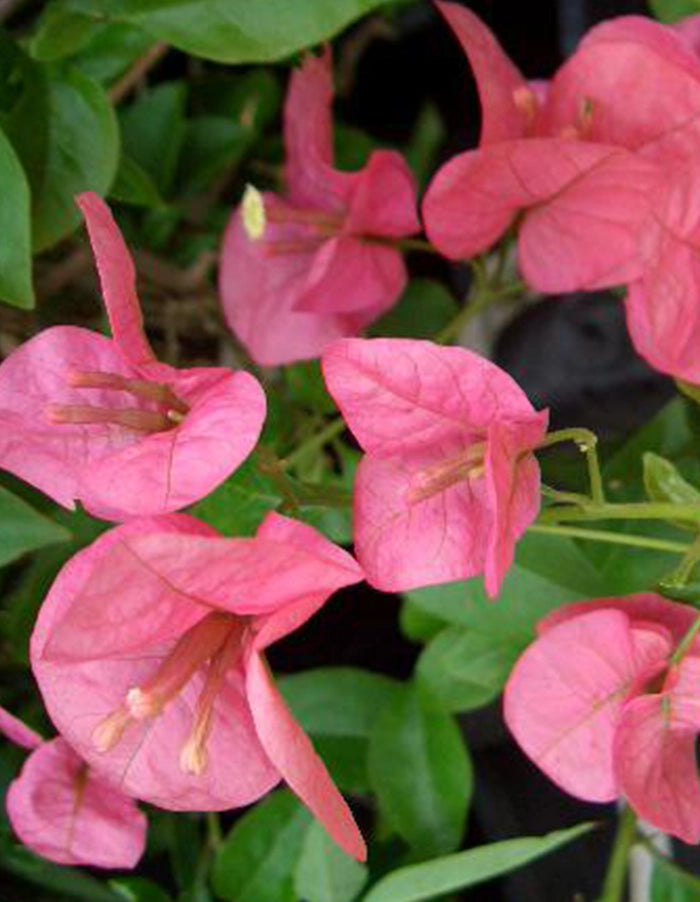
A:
{"x":236,"y":31}
{"x":157,"y":112}
{"x":15,"y":227}
{"x":421,"y":773}
{"x":466,"y":669}
{"x":548,"y":571}
{"x":664,"y":483}
{"x":670,"y":884}
{"x":465,"y":869}
{"x":340,"y":732}
{"x":83,"y":150}
{"x":257,"y":860}
{"x":23,"y":529}
{"x":673,"y":10}
{"x":324,"y":873}
{"x":239,"y":504}
{"x":60,"y":33}
{"x":133,"y":185}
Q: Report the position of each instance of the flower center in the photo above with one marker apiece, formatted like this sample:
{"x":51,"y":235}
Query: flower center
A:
{"x":171,"y":409}
{"x":215,"y":642}
{"x":526,"y":103}
{"x":438,"y":477}
{"x":256,"y":214}
{"x":581,"y":129}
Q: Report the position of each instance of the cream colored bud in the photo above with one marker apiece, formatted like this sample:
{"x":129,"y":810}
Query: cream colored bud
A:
{"x":254,"y":219}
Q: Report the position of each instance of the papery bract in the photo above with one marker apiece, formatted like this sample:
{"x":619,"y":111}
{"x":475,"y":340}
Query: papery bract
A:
{"x":85,"y":418}
{"x":601,"y":706}
{"x":448,"y":483}
{"x":325,"y":266}
{"x":602,"y":168}
{"x":585,"y":204}
{"x":62,"y":810}
{"x":149,"y":654}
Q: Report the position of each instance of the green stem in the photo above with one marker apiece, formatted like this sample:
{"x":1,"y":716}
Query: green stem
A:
{"x":686,"y":642}
{"x":214,"y":830}
{"x":327,"y":434}
{"x":681,"y":574}
{"x":416,"y":244}
{"x":598,"y":535}
{"x":586,"y":442}
{"x":615,"y":878}
{"x":633,"y":511}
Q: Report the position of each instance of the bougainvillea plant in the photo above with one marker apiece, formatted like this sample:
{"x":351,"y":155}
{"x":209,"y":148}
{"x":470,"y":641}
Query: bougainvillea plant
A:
{"x":256,"y":418}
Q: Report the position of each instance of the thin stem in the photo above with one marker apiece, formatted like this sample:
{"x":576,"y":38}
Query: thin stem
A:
{"x":681,"y":574}
{"x":416,"y":244}
{"x":633,"y":511}
{"x":318,"y":440}
{"x":587,"y":442}
{"x":615,"y":878}
{"x":598,"y":535}
{"x":137,"y":72}
{"x":686,"y":642}
{"x":214,"y":830}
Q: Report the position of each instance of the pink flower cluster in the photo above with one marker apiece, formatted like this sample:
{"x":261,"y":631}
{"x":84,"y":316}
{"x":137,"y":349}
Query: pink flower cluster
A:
{"x":149,"y":650}
{"x":607,"y":703}
{"x":599,"y":166}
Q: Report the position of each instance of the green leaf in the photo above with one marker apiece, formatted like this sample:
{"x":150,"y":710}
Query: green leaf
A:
{"x":83,"y":151}
{"x":67,"y":882}
{"x":671,"y":884}
{"x":133,"y":185}
{"x":257,"y":860}
{"x":23,"y":529}
{"x":15,"y":227}
{"x":110,"y":51}
{"x":211,"y":146}
{"x":548,"y":572}
{"x":425,"y":143}
{"x":465,"y":869}
{"x":236,"y":31}
{"x":324,"y":873}
{"x":466,"y":669}
{"x":424,"y":309}
{"x":61,"y":33}
{"x":421,"y":773}
{"x":340,"y":732}
{"x":663,"y":482}
{"x":673,"y":10}
{"x":158,"y":112}
{"x":239,"y":504}
{"x":418,"y":625}
{"x":138,"y":889}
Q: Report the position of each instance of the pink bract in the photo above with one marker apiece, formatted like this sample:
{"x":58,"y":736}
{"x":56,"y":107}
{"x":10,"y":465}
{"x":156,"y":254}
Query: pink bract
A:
{"x":602,"y":168}
{"x":601,"y":706}
{"x":63,"y":811}
{"x":325,"y":266}
{"x":149,"y":654}
{"x":97,"y":420}
{"x":586,"y":204}
{"x":447,"y":485}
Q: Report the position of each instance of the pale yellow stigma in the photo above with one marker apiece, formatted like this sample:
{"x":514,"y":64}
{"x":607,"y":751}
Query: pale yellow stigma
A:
{"x":254,"y":219}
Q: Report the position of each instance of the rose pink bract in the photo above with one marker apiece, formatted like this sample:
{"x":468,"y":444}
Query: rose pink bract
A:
{"x":603,"y":164}
{"x":149,"y":655}
{"x":98,"y":420}
{"x":601,"y":706}
{"x":63,"y":811}
{"x":325,"y":266}
{"x":447,"y":485}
